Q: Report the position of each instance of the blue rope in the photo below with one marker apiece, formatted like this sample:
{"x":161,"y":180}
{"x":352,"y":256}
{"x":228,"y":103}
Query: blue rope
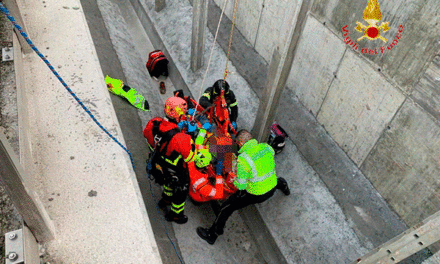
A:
{"x":29,"y":41}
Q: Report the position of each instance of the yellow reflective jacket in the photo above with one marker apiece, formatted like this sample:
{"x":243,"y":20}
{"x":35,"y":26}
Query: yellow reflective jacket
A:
{"x":117,"y":87}
{"x":256,"y":168}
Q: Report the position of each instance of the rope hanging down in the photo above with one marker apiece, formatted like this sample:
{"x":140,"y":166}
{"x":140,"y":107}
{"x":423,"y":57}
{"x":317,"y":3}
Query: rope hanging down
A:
{"x":29,"y":41}
{"x":230,"y":40}
{"x":210,"y":56}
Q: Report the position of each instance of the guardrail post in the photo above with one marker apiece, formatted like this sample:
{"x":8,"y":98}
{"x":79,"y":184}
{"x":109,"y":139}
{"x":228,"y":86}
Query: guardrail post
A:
{"x":23,"y":195}
{"x":12,"y":6}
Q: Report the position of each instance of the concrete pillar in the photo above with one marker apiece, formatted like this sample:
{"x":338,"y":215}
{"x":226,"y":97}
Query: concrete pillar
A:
{"x":279,"y":71}
{"x":12,"y":6}
{"x":22,"y":195}
{"x":159,"y":5}
{"x":200,"y":16}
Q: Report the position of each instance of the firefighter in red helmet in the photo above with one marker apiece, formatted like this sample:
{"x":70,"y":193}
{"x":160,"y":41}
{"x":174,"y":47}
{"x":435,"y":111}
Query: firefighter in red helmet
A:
{"x":171,"y":151}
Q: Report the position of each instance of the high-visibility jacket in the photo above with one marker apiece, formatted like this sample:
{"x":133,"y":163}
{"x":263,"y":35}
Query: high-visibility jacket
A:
{"x":256,"y":168}
{"x":117,"y":87}
{"x":200,"y":189}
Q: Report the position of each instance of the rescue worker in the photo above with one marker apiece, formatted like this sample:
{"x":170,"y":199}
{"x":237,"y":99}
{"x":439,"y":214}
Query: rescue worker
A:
{"x":201,"y":188}
{"x":256,"y":182}
{"x":211,"y":93}
{"x":172,"y":150}
{"x":117,"y":87}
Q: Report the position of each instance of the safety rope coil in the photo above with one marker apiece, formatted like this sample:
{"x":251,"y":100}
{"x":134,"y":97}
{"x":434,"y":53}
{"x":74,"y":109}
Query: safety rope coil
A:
{"x":29,"y":41}
{"x":230,"y":40}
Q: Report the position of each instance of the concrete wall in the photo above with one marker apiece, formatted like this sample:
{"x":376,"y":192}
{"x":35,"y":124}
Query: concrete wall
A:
{"x":264,"y":23}
{"x":378,"y":100}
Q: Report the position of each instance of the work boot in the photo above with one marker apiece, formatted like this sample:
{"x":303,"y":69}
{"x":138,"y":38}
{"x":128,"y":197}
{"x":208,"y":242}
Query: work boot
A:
{"x":163,"y":204}
{"x":178,"y":218}
{"x":206,"y":235}
{"x":283,"y":186}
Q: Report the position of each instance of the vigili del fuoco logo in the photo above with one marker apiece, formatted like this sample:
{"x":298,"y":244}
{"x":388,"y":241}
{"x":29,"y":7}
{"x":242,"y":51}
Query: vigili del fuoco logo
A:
{"x":372,"y":15}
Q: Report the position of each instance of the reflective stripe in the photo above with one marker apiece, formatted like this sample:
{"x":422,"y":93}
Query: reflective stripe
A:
{"x":173,"y":162}
{"x":262,"y":178}
{"x":190,"y":157}
{"x":233,"y":104}
{"x":168,"y":193}
{"x":251,"y":164}
{"x":241,"y":181}
{"x":138,"y":99}
{"x":177,"y":208}
{"x":207,"y":95}
{"x":212,"y":193}
{"x":197,"y":183}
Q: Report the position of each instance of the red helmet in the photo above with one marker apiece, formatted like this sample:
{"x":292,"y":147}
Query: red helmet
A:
{"x":175,"y":107}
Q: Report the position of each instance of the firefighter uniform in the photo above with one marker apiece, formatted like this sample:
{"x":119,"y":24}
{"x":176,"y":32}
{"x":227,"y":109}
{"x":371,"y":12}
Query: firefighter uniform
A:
{"x":211,"y":93}
{"x":176,"y":149}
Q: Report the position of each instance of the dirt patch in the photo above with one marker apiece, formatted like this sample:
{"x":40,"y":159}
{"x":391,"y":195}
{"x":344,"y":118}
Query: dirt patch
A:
{"x":9,"y":218}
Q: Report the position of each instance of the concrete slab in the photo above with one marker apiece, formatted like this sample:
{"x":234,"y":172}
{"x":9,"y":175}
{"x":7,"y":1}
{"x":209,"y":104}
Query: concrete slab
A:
{"x":93,"y":199}
{"x":406,"y":62}
{"x":320,"y":50}
{"x":427,"y":92}
{"x":309,"y":225}
{"x":404,"y":164}
{"x":358,"y":106}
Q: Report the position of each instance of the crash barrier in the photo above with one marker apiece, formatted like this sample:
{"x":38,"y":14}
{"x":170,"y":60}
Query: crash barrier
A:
{"x":5,"y":11}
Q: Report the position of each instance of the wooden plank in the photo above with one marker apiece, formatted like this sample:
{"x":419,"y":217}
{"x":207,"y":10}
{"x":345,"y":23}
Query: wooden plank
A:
{"x":406,"y":244}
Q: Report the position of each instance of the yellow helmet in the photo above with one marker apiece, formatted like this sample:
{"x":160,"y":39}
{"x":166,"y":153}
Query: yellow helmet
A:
{"x":203,"y":158}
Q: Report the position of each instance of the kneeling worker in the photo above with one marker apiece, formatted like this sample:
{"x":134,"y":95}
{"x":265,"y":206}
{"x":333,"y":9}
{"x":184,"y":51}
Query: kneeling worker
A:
{"x":256,"y":181}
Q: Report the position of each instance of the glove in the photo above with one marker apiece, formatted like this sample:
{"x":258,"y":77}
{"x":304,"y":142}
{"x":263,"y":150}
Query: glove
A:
{"x":191,"y":111}
{"x":207,"y":126}
{"x":192,"y":127}
{"x":182,"y":124}
{"x":234,"y":125}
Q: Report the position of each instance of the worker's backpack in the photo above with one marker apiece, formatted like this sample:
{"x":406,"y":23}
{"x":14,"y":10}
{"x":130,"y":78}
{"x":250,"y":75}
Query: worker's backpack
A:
{"x":277,"y":138}
{"x":157,"y":64}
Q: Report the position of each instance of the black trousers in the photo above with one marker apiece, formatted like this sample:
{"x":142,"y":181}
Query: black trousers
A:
{"x":235,"y":202}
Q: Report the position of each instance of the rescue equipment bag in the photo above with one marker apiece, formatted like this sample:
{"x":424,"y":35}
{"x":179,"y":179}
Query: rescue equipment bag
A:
{"x":157,"y":64}
{"x":277,"y":138}
{"x":156,"y":169}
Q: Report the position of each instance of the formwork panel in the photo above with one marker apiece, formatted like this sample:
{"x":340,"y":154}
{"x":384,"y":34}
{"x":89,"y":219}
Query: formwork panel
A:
{"x":405,"y":164}
{"x":427,"y":91}
{"x":317,"y":58}
{"x":359,"y":105}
